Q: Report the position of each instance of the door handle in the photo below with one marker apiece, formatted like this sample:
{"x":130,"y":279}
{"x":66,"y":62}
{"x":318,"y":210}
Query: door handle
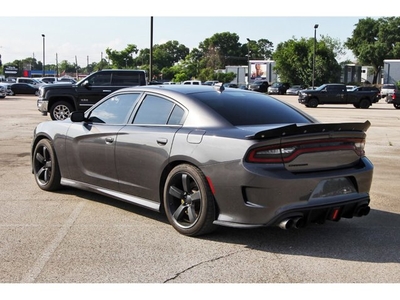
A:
{"x":109,"y":140}
{"x":162,"y":141}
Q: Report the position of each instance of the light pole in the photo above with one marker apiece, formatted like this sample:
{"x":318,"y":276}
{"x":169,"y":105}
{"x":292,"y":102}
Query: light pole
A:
{"x":43,"y":66}
{"x":248,"y":51}
{"x":315,"y":45}
{"x":248,"y":60}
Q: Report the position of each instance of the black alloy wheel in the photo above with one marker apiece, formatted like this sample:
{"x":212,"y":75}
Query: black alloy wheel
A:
{"x":313,"y":102}
{"x":364,"y":103}
{"x":188,"y":201}
{"x":45,"y":166}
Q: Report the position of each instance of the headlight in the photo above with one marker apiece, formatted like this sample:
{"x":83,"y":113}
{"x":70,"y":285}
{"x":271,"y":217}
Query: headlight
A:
{"x":41,"y":91}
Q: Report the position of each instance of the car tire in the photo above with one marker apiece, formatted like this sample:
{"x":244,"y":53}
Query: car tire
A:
{"x":60,"y":110}
{"x":188,"y":201}
{"x":313,"y":102}
{"x":356,"y":105}
{"x":45,"y":166}
{"x":364,"y":104}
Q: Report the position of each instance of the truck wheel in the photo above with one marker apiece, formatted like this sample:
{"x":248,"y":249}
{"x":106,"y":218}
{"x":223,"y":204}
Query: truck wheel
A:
{"x":396,"y":105}
{"x":364,"y":103}
{"x":313,"y":103}
{"x":356,"y":105}
{"x":60,"y":110}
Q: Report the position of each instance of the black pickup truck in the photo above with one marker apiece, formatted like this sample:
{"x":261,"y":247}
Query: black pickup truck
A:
{"x":334,"y":93}
{"x":60,"y":99}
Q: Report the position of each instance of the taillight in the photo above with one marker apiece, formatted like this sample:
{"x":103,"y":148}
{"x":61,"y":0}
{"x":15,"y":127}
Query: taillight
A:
{"x":285,"y":153}
{"x":393,"y":96}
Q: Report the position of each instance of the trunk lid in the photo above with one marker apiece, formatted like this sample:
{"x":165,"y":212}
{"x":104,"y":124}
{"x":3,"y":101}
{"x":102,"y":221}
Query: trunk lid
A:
{"x":310,"y":147}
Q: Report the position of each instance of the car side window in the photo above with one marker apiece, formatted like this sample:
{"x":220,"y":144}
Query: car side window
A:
{"x":158,"y":111}
{"x":127,"y":78}
{"x":103,"y":79}
{"x":115,"y":110}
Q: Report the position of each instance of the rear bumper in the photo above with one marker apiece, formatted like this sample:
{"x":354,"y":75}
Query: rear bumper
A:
{"x":266,"y":197}
{"x":319,"y":214}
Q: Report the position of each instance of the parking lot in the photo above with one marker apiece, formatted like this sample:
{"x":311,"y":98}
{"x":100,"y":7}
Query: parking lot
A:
{"x":79,"y":237}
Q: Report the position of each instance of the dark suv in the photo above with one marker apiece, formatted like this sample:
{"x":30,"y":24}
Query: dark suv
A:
{"x":60,"y":99}
{"x":278,"y":88}
{"x":259,"y":86}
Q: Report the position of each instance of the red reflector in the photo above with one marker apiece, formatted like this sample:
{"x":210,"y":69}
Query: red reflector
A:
{"x":335,"y":214}
{"x":211,"y":185}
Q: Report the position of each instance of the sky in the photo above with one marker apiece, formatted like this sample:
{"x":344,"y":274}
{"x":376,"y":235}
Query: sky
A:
{"x":78,"y":31}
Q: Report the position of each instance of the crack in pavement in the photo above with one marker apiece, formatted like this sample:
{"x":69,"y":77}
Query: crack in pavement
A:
{"x":202,"y":262}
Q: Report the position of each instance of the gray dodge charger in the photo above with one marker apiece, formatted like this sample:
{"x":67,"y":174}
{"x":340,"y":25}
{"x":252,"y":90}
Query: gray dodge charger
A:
{"x":209,"y":156}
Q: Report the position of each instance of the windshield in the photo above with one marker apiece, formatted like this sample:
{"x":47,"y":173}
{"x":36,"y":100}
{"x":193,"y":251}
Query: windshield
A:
{"x":321,"y":87}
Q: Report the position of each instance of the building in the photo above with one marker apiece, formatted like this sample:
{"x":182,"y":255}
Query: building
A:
{"x":352,"y":73}
{"x":391,"y":71}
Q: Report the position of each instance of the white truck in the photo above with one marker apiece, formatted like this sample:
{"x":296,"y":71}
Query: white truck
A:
{"x":388,"y":89}
{"x":28,"y":80}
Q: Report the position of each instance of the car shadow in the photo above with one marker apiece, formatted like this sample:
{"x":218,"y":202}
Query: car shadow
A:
{"x":374,"y":238}
{"x":130,"y":207}
{"x":351,"y":107}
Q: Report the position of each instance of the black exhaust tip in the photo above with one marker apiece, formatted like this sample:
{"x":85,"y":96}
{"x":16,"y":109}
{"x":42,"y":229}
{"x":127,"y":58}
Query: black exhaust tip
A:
{"x":362,"y":211}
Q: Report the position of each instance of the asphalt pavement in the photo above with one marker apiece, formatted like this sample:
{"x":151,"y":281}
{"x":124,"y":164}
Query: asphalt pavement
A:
{"x":74,"y":236}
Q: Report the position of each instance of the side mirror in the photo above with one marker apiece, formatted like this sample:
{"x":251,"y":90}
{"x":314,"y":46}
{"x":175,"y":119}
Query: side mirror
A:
{"x":86,"y":84}
{"x":77,"y":116}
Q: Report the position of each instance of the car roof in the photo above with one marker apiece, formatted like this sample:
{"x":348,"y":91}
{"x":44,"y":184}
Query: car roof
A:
{"x":180,"y":88}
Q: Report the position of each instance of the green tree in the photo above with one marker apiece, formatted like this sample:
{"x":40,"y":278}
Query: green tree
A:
{"x":122,"y":59}
{"x":375,"y":40}
{"x":335,"y":45}
{"x":166,"y":55}
{"x":142,"y":60}
{"x":66,"y":67}
{"x":221,"y":49}
{"x":294,"y":62}
{"x":31,"y":63}
{"x":259,"y":50}
{"x":102,"y":64}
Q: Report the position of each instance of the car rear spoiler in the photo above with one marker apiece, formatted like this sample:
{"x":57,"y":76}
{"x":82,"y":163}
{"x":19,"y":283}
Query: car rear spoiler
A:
{"x":294,"y":129}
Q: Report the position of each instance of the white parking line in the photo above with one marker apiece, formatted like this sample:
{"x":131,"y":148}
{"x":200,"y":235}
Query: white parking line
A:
{"x":38,"y":266}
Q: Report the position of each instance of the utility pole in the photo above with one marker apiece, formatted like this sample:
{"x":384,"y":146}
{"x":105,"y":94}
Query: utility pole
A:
{"x":151,"y":51}
{"x":44,"y":55}
{"x":315,"y":46}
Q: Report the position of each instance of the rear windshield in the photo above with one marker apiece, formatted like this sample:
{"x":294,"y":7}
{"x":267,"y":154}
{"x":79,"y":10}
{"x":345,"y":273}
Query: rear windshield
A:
{"x":248,"y":108}
{"x":388,"y":86}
